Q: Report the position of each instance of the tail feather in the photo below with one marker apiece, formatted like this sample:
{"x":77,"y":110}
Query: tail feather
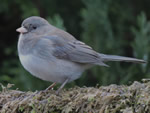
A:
{"x":120,"y":58}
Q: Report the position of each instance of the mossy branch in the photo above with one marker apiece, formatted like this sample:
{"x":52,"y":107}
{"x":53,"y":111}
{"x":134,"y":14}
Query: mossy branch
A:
{"x":105,"y":99}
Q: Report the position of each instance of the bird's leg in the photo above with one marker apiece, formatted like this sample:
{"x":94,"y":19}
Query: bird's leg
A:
{"x":57,"y":92}
{"x":51,"y":86}
{"x":47,"y":89}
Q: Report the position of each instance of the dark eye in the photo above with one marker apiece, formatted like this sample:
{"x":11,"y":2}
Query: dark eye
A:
{"x":34,"y":27}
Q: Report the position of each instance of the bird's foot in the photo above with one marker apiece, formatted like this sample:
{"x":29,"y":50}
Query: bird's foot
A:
{"x":50,"y":87}
{"x":57,"y":92}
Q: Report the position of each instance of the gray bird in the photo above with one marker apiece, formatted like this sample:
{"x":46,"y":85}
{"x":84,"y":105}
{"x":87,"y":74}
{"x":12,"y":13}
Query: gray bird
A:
{"x":54,"y":55}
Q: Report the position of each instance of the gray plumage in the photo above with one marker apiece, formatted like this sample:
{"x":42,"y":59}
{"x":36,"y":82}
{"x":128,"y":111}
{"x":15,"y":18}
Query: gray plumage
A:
{"x":61,"y":57}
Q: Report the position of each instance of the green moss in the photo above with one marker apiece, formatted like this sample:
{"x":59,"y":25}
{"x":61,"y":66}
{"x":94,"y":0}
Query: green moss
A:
{"x":108,"y":99}
{"x":21,"y":108}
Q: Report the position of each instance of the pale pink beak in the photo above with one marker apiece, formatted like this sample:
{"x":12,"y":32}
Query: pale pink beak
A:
{"x":22,"y":30}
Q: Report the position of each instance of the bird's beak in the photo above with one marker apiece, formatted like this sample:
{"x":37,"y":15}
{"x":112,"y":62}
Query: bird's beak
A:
{"x":22,"y":30}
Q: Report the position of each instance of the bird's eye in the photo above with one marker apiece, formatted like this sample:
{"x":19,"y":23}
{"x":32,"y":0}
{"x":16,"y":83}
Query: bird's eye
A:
{"x":34,"y":27}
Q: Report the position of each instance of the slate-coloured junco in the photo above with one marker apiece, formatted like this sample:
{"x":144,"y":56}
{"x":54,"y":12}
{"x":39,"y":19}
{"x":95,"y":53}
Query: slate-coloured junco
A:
{"x":54,"y":55}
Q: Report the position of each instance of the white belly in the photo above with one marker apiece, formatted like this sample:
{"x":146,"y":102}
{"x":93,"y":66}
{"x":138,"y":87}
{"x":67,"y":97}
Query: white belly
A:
{"x":57,"y":71}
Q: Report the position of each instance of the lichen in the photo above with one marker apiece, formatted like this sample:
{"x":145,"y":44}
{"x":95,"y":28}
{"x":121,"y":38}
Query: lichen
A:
{"x":105,"y":99}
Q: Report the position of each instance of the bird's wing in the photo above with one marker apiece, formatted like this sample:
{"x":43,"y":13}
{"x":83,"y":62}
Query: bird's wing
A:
{"x":75,"y":51}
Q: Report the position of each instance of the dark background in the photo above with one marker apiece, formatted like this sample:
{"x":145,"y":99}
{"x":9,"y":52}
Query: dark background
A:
{"x":112,"y":27}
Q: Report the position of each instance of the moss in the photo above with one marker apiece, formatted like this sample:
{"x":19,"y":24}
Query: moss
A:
{"x":108,"y":99}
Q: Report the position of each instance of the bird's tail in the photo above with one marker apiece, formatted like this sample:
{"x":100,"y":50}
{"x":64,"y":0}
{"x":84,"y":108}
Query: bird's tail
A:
{"x":120,"y":58}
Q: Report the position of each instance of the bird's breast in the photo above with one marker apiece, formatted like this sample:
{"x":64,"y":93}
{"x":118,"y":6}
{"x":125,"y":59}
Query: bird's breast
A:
{"x":54,"y":70}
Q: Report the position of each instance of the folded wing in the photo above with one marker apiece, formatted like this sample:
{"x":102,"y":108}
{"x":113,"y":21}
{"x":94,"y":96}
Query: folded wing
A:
{"x":74,"y":51}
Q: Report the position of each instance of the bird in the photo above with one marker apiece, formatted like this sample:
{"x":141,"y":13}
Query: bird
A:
{"x":54,"y":55}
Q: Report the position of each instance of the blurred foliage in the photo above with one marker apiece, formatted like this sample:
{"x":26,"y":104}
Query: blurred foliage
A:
{"x":107,"y":28}
{"x":111,"y":27}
